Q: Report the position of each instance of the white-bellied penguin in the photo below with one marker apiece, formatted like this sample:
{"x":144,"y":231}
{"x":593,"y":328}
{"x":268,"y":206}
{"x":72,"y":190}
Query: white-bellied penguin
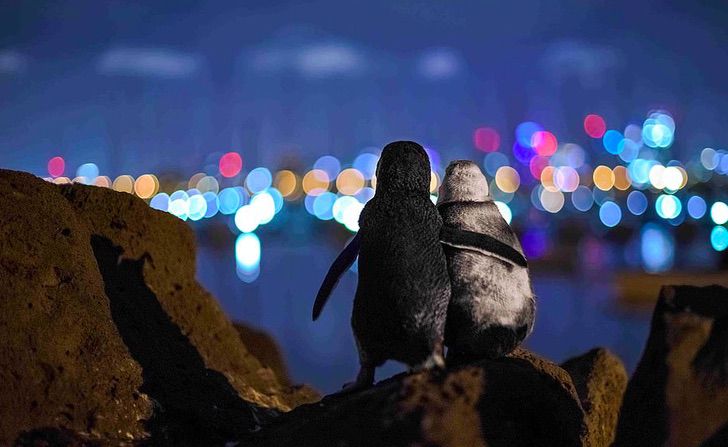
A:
{"x":492,"y":308}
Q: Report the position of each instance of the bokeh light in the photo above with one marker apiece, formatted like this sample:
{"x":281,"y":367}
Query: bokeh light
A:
{"x":323,"y":206}
{"x":552,"y":201}
{"x":329,"y":164}
{"x":525,"y":131}
{"x":366,"y":163}
{"x":102,"y":181}
{"x":213,"y":204}
{"x":566,"y":178}
{"x":658,"y":131}
{"x":230,"y":200}
{"x":87,"y":173}
{"x":230,"y":164}
{"x":637,"y":203}
{"x":611,"y":141}
{"x":207,"y":183}
{"x":621,"y":178}
{"x":197,"y":206}
{"x":315,"y":182}
{"x":697,"y":207}
{"x":544,"y":143}
{"x":709,"y":158}
{"x":507,"y":179}
{"x":486,"y":139}
{"x":719,"y":238}
{"x":246,"y":219}
{"x":610,"y":214}
{"x":582,"y":198}
{"x":719,"y":213}
{"x":657,"y":248}
{"x":350,"y":181}
{"x":124,"y":183}
{"x":493,"y":161}
{"x":247,"y":256}
{"x":56,"y":166}
{"x":594,"y":126}
{"x":286,"y":182}
{"x":146,"y":186}
{"x":264,"y":206}
{"x":258,"y":180}
{"x":668,"y":206}
{"x":603,"y":178}
{"x":160,"y":202}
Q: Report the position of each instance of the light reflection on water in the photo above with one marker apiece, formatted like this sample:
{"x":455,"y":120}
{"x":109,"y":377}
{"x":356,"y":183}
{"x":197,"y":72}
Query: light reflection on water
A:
{"x":574,"y":314}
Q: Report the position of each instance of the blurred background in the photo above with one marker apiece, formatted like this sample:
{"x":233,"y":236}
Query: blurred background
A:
{"x":601,"y":126}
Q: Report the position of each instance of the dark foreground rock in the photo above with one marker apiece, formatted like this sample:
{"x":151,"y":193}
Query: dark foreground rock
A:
{"x":678,"y":395}
{"x":520,"y":400}
{"x":105,"y":331}
{"x":106,"y":338}
{"x":600,"y":380}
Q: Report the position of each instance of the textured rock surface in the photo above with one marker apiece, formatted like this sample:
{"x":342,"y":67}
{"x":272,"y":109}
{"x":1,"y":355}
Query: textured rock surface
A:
{"x":106,"y":331}
{"x":264,"y":348}
{"x":678,"y":395}
{"x":600,"y":380}
{"x":521,"y":400}
{"x":62,"y":362}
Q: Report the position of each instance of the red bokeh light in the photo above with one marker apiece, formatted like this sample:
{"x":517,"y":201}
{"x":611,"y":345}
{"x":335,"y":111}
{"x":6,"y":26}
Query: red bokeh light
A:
{"x":56,"y":166}
{"x":231,"y":164}
{"x":544,"y":143}
{"x":486,"y":139}
{"x":594,"y":126}
{"x":538,"y":164}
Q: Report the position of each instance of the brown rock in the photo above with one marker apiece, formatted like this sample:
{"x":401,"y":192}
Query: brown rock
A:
{"x":62,"y":362}
{"x":263,"y":347}
{"x":678,"y":395}
{"x":105,"y":331}
{"x":600,"y":380}
{"x":514,"y":401}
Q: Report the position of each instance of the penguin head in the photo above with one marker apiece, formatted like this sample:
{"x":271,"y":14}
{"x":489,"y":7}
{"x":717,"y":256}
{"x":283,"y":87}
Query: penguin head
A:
{"x":464,"y":182}
{"x":403,"y":166}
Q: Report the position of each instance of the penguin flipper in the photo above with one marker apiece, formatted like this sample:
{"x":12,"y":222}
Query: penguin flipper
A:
{"x":483,"y":243}
{"x":342,"y":262}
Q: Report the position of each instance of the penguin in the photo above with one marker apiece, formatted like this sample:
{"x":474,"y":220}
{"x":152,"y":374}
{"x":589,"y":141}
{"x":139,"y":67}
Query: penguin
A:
{"x":492,"y":307}
{"x":402,"y":296}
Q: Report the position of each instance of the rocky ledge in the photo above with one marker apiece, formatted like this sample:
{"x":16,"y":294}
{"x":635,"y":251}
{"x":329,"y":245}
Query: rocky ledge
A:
{"x":107,"y":339}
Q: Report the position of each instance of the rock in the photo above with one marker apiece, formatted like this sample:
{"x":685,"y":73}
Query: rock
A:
{"x":105,"y":330}
{"x":678,"y":395}
{"x":263,"y":347}
{"x":521,"y":400}
{"x":62,"y":362}
{"x":600,"y":380}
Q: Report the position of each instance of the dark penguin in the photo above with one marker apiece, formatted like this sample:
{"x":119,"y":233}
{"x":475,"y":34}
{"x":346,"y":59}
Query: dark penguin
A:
{"x":404,"y":289}
{"x":492,"y":308}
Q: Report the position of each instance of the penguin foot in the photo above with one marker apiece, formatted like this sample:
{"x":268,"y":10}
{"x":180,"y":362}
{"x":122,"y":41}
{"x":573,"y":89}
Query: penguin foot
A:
{"x":435,"y":360}
{"x":364,"y":380}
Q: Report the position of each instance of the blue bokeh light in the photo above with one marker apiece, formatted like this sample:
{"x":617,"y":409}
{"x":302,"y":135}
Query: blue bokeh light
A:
{"x":719,"y":238}
{"x":697,"y":207}
{"x":657,"y":248}
{"x":610,"y":214}
{"x":637,"y":203}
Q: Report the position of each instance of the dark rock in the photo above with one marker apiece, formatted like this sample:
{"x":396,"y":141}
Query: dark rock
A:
{"x":600,"y":380}
{"x":678,"y":395}
{"x":106,"y":332}
{"x":521,"y":400}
